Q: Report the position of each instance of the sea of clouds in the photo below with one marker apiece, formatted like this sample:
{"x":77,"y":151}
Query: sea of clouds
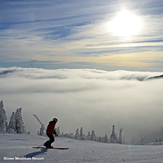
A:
{"x":88,"y":98}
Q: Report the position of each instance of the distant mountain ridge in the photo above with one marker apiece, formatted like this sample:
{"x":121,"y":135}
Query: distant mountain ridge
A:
{"x":155,"y":77}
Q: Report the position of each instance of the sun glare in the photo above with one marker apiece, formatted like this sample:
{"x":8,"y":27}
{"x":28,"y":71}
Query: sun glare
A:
{"x":125,"y":24}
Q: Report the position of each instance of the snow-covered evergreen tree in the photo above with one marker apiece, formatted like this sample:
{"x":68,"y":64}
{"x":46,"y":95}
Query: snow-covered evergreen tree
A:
{"x":106,"y":140}
{"x":113,"y":136}
{"x":12,"y":124}
{"x":3,"y":119}
{"x":100,"y":139}
{"x":89,"y":136}
{"x":81,"y":132}
{"x":19,"y":121}
{"x":77,"y":134}
{"x":82,"y":136}
{"x":42,"y":130}
{"x":62,"y":134}
{"x":58,"y":131}
{"x":93,"y":136}
{"x":120,"y":136}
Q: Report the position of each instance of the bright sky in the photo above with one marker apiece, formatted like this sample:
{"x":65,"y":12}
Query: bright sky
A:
{"x":105,"y":34}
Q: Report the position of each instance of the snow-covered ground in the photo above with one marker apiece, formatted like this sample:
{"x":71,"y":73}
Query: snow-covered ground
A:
{"x":20,"y":146}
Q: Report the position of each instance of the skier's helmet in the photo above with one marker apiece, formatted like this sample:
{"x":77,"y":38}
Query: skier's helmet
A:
{"x":55,"y":120}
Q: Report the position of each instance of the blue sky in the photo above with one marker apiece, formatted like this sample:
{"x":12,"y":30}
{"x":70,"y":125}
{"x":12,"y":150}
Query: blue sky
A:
{"x":74,"y":34}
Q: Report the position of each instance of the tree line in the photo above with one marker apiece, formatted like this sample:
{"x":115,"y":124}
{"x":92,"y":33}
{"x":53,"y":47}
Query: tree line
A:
{"x":15,"y":125}
{"x":79,"y":135}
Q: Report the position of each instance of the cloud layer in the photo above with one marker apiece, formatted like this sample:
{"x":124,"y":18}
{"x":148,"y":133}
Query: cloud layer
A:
{"x":92,"y":99}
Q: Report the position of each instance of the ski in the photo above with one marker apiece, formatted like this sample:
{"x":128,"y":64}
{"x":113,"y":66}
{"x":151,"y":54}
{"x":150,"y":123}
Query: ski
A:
{"x":59,"y":148}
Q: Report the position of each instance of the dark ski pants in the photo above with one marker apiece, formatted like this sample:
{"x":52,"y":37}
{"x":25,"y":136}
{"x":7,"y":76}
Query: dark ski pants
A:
{"x":48,"y":143}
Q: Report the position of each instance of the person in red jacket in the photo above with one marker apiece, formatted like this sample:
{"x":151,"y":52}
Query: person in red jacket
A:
{"x":49,"y":132}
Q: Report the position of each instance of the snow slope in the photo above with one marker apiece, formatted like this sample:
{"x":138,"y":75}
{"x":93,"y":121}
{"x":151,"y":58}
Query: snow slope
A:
{"x":13,"y":145}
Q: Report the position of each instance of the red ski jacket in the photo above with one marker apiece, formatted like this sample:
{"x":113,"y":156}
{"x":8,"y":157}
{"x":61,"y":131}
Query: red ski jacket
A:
{"x":51,"y":128}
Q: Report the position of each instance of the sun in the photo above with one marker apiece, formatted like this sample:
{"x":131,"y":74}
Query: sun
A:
{"x":125,"y":23}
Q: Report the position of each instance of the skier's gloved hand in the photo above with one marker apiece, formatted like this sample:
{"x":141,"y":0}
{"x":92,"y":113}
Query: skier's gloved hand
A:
{"x":56,"y":134}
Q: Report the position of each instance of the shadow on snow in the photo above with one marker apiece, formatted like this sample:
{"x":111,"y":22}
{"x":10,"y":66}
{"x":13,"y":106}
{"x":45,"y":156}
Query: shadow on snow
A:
{"x":42,"y":151}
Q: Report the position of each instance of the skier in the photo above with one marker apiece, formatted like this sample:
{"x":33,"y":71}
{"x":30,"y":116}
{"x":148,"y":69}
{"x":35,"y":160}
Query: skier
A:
{"x":49,"y":132}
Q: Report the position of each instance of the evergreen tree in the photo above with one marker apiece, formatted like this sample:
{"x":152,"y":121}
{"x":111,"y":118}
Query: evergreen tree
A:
{"x":62,"y":134}
{"x":42,"y":129}
{"x":100,"y":139}
{"x":3,"y":119}
{"x":120,"y":136}
{"x":81,"y":134}
{"x":113,"y":136}
{"x":19,"y":121}
{"x":12,"y":124}
{"x":89,"y":136}
{"x":106,"y":140}
{"x":93,"y":136}
{"x":58,"y":131}
{"x":77,"y":134}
